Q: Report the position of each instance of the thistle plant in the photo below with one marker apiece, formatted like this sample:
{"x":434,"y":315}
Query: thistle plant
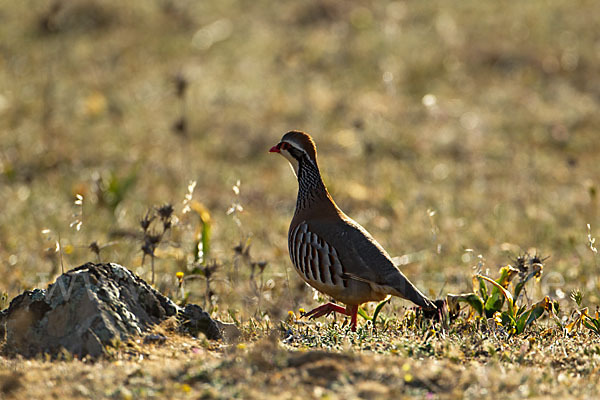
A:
{"x":152,"y":236}
{"x":257,"y":268}
{"x":96,"y":248}
{"x":180,"y":124}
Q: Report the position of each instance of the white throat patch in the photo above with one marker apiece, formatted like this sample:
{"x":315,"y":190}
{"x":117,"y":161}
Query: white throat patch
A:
{"x":293,"y":162}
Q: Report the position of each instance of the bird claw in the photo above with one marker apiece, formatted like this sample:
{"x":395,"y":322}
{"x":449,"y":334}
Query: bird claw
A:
{"x":318,"y":314}
{"x":325,"y":309}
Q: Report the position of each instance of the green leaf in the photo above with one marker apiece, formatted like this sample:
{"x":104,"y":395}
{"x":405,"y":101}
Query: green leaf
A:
{"x":533,"y":315}
{"x":378,"y":309}
{"x":363,"y":314}
{"x":203,"y":233}
{"x":116,"y":188}
{"x":519,"y":286}
{"x":492,"y":302}
{"x":522,"y":321}
{"x":536,"y":311}
{"x":506,"y":275}
{"x":508,"y":320}
{"x":496,"y":299}
{"x":483,"y":289}
{"x":592,"y":324}
{"x":232,"y":316}
{"x":205,"y":241}
{"x":556,"y":307}
{"x":471,"y":299}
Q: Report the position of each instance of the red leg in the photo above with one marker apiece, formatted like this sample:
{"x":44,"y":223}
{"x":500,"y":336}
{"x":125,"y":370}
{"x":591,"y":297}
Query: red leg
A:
{"x":352,"y":311}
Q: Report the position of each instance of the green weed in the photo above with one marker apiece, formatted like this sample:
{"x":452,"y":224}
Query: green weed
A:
{"x":500,"y":303}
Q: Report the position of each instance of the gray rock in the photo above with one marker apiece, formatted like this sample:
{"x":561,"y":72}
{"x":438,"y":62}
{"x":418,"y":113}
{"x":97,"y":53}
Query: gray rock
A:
{"x":194,"y":320}
{"x":90,"y":307}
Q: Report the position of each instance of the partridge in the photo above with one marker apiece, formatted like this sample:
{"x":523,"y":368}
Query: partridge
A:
{"x":332,"y":252}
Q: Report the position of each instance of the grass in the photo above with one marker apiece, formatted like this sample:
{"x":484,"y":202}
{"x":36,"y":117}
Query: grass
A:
{"x":459,"y":135}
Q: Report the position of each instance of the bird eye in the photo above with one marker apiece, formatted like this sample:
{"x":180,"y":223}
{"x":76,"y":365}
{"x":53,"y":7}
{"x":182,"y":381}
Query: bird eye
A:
{"x":284,"y":146}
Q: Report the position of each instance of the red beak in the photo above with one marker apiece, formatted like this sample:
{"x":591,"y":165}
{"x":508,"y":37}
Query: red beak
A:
{"x":275,"y":149}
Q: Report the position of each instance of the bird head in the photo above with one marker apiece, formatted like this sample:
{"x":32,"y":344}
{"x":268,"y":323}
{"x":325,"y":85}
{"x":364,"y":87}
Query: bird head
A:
{"x":296,"y":147}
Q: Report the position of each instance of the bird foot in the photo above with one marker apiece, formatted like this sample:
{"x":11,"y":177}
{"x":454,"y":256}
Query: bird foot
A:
{"x":325,"y":309}
{"x":328,"y":308}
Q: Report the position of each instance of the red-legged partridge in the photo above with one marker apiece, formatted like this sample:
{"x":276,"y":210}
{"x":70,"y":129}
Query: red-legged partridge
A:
{"x":332,"y":252}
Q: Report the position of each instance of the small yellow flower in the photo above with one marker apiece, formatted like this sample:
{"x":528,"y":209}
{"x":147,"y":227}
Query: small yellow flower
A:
{"x":301,"y":311}
{"x":291,"y":315}
{"x":241,"y":346}
{"x":408,"y":377}
{"x":406,"y":367}
{"x":186,"y":388}
{"x":95,"y":104}
{"x":69,"y":249}
{"x":179,"y":275}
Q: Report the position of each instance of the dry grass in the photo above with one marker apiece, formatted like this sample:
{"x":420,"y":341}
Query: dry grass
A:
{"x":450,"y":131}
{"x":446,"y":368}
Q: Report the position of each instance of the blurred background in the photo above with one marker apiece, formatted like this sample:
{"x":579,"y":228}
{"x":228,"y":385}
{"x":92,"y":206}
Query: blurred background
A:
{"x":459,"y":134}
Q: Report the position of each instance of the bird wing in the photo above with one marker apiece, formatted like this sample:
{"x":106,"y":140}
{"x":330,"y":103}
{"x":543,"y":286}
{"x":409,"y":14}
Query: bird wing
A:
{"x":363,"y":259}
{"x":315,"y":259}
